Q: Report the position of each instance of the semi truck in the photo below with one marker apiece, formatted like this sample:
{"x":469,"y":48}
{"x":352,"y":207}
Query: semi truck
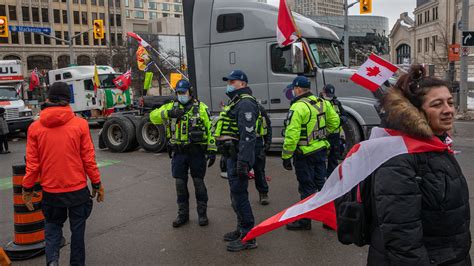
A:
{"x":18,"y":116}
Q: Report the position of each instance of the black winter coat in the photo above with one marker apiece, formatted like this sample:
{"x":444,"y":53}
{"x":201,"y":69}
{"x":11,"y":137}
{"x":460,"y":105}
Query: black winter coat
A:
{"x":420,"y":216}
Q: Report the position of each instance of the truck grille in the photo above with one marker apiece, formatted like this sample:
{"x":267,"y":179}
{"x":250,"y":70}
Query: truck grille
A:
{"x":12,"y":113}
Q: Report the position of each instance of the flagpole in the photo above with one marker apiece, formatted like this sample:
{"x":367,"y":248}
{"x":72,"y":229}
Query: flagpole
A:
{"x":298,"y":33}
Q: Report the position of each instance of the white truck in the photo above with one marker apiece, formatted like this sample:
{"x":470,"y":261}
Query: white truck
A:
{"x":18,"y":116}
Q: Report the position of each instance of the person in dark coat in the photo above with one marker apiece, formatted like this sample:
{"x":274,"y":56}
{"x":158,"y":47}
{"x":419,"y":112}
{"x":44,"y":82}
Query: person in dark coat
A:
{"x":420,"y":218}
{"x":3,"y":132}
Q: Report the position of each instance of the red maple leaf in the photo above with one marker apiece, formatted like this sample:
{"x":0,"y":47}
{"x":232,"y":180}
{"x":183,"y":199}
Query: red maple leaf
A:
{"x":373,"y":71}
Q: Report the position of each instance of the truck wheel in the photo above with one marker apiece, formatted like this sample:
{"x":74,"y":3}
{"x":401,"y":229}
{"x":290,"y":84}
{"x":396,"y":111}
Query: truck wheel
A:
{"x":351,"y":134}
{"x":152,"y":138}
{"x":135,"y":121}
{"x":119,"y":134}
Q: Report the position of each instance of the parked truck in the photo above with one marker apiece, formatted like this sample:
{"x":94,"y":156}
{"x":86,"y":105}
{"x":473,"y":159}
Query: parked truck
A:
{"x":18,"y":116}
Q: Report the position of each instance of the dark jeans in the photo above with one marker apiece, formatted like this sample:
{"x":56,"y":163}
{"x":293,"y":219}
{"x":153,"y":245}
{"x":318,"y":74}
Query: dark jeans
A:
{"x":334,"y":152}
{"x":240,"y":198}
{"x":310,"y":172}
{"x":180,"y":166}
{"x":3,"y":142}
{"x":259,"y":167}
{"x":54,"y":220}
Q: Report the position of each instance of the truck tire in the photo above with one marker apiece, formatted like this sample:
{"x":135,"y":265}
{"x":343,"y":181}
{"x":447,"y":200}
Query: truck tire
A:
{"x":135,"y":121}
{"x":119,"y":134}
{"x":152,"y":138}
{"x":352,"y":134}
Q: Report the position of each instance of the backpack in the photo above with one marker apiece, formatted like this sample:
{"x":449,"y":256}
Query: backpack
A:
{"x":354,"y":209}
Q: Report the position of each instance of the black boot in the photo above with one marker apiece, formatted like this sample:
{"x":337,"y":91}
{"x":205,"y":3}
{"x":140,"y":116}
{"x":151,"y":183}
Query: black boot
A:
{"x":232,"y":236}
{"x":303,"y":224}
{"x":183,"y":215}
{"x":239,"y":245}
{"x":202,"y":214}
{"x":264,"y":199}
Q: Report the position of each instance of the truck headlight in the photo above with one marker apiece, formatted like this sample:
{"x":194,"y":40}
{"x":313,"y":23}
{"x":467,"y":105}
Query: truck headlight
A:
{"x":26,"y":114}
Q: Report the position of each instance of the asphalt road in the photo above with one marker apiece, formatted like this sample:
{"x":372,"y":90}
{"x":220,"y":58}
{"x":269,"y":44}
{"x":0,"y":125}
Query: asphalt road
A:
{"x":133,"y":225}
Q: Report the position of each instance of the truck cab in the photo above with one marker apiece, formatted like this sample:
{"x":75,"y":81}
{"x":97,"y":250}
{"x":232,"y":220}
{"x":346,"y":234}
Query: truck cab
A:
{"x":17,"y":115}
{"x":223,"y":35}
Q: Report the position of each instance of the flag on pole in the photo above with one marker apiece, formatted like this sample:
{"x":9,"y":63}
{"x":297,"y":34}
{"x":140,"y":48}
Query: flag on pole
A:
{"x":138,"y":38}
{"x":286,"y":31}
{"x":96,"y":80}
{"x":143,"y":58}
{"x":373,"y":73}
{"x":123,"y":81}
{"x":34,"y":79}
{"x":148,"y":80}
{"x":363,"y":159}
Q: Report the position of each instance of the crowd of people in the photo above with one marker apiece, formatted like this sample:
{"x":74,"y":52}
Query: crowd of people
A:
{"x":419,"y":217}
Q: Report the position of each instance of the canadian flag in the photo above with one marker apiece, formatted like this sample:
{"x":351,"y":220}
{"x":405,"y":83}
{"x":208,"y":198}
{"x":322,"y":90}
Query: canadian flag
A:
{"x":286,"y":29}
{"x":34,"y":79}
{"x":138,"y":38}
{"x":363,"y":159}
{"x":373,"y":73}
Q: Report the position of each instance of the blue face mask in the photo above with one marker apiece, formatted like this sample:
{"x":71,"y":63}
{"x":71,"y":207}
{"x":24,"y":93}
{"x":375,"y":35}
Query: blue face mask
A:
{"x":184,"y":99}
{"x":293,"y":93}
{"x":229,"y":89}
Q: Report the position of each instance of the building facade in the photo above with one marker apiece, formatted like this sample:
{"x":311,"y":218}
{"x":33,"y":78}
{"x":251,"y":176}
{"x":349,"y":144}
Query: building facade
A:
{"x":44,"y":53}
{"x":138,"y":13}
{"x":311,"y":8}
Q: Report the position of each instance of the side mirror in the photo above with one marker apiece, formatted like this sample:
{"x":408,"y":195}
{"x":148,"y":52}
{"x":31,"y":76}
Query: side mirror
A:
{"x":297,"y":57}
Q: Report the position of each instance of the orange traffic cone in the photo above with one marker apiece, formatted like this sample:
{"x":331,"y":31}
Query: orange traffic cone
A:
{"x":4,"y":259}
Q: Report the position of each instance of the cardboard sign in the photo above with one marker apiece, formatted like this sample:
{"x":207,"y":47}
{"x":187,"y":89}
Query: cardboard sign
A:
{"x":454,"y":53}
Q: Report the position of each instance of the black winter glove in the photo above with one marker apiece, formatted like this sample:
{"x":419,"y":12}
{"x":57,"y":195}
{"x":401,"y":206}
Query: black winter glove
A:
{"x":211,"y":158}
{"x":268,"y":143}
{"x":175,"y":113}
{"x":242,"y":169}
{"x":287,"y":164}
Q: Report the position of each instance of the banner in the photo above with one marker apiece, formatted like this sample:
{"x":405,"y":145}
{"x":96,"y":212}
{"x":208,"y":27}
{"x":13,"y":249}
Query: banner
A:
{"x":117,"y":98}
{"x":148,"y":80}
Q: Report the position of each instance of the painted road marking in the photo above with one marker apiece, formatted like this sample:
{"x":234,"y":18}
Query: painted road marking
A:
{"x":6,"y":182}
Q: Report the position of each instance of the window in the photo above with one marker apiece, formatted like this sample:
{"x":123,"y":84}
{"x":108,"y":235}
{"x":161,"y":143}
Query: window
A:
{"x":25,"y":11}
{"x":27,"y":36}
{"x":139,"y":14}
{"x":58,"y":34}
{"x":165,"y":15}
{"x":64,"y":17}
{"x":153,"y":5}
{"x":76,"y":17}
{"x":94,"y":16}
{"x":46,"y":40}
{"x":434,"y":40}
{"x":57,"y":16}
{"x":37,"y":38}
{"x":177,"y":15}
{"x":112,"y":40}
{"x":153,"y":15}
{"x":427,"y":45}
{"x":83,"y":2}
{"x":44,"y":15}
{"x":138,"y":3}
{"x":57,"y":77}
{"x":127,"y":13}
{"x":66,"y":36}
{"x":117,"y":3}
{"x":165,"y":7}
{"x":94,"y":2}
{"x":103,"y":41}
{"x":75,"y":1}
{"x":67,"y":75}
{"x":12,"y":12}
{"x":111,"y":18}
{"x":420,"y":44}
{"x":178,"y":8}
{"x":127,"y":3}
{"x":118,"y":20}
{"x":428,"y":15}
{"x":101,"y":3}
{"x":3,"y":11}
{"x":15,"y":39}
{"x":96,"y":42}
{"x":436,"y":11}
{"x":119,"y":39}
{"x":230,"y":22}
{"x":281,"y":60}
{"x":35,"y":12}
{"x":84,"y":18}
{"x":102,"y":17}
{"x":77,"y":40}
{"x":86,"y":38}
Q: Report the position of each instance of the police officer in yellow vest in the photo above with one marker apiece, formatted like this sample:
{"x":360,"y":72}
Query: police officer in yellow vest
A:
{"x":236,"y":132}
{"x":188,"y":128}
{"x":308,"y":122}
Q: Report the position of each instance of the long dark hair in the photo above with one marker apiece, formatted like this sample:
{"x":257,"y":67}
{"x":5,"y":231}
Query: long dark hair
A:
{"x":415,"y":85}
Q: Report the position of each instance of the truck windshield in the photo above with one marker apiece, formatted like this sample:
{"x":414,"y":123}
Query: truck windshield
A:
{"x":8,"y":94}
{"x":106,"y":82}
{"x":325,"y":52}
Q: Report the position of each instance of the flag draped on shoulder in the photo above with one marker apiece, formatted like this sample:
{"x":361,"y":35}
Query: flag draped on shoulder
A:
{"x":286,"y":31}
{"x":373,"y":73}
{"x":123,"y":81}
{"x":34,"y":79}
{"x":96,"y":80}
{"x":363,"y":159}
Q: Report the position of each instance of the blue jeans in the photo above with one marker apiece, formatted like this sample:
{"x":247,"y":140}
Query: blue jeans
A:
{"x":240,"y":198}
{"x":54,"y":220}
{"x":310,"y":172}
{"x":259,"y":167}
{"x":334,"y":152}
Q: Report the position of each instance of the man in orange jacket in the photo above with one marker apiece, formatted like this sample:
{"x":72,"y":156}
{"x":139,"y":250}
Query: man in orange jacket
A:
{"x":60,"y":155}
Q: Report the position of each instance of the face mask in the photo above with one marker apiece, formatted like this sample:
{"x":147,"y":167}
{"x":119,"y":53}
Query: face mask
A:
{"x":229,"y":89}
{"x":293,"y":93}
{"x":184,"y":99}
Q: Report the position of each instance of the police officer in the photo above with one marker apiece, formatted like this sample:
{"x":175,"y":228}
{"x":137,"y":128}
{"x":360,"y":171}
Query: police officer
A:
{"x":335,"y":151}
{"x":262,"y":144}
{"x":188,"y":128}
{"x":236,"y":133}
{"x":308,"y":121}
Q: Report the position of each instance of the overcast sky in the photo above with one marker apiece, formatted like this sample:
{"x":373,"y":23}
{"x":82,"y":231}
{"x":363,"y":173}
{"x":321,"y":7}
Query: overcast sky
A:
{"x":387,"y":8}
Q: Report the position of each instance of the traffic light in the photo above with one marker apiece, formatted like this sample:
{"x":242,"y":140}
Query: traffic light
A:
{"x":365,"y":6}
{"x":3,"y":27}
{"x":98,"y":29}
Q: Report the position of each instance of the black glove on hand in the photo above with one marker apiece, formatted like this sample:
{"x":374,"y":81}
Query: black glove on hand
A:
{"x":175,"y":113}
{"x":268,"y":143}
{"x":211,"y":158}
{"x":242,"y":169}
{"x":287,"y":164}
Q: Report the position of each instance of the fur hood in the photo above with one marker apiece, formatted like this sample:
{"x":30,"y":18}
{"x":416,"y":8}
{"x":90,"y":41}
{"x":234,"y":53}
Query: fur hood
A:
{"x":400,"y":114}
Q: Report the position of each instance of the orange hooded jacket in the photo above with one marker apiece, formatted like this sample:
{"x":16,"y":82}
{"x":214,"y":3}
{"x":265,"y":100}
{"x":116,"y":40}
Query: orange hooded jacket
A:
{"x":59,"y":152}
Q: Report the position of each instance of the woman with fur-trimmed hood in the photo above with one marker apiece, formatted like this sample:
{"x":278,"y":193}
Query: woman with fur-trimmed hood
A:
{"x":420,"y":204}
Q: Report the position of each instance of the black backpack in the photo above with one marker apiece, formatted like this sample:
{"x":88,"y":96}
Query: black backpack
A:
{"x":354,"y":209}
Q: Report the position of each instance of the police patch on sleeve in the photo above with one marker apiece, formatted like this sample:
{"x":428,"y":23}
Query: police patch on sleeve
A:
{"x":249,"y":129}
{"x":248,"y":116}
